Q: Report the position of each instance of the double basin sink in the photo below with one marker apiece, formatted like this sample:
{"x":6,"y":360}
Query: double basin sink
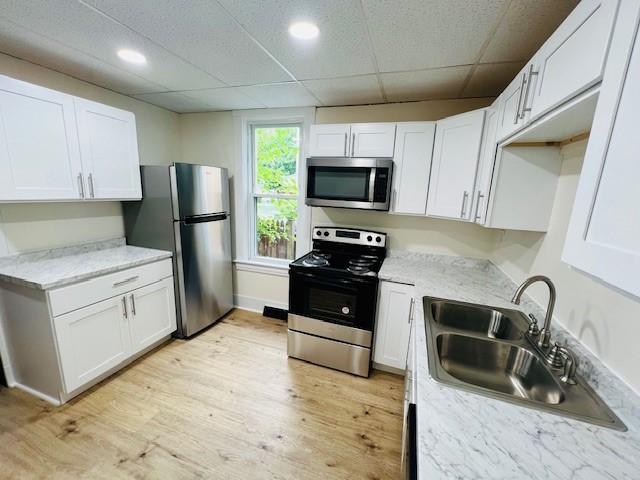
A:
{"x":485,"y":350}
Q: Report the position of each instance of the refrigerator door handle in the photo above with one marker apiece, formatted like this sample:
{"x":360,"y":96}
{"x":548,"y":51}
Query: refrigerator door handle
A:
{"x":213,"y":217}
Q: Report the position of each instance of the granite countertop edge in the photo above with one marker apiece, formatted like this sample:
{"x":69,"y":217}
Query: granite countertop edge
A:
{"x":68,"y":265}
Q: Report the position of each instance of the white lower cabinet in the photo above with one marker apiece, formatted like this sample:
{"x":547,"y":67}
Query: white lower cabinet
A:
{"x":66,"y":339}
{"x":91,"y":341}
{"x":393,"y":324}
{"x":152,"y":314}
{"x":94,"y":339}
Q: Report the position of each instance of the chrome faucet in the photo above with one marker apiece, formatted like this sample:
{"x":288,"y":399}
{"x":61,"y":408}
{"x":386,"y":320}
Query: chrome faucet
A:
{"x":545,"y":333}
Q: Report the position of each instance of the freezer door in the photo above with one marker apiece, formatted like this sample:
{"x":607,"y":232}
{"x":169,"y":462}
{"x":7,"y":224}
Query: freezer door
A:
{"x":204,"y":272}
{"x":199,"y":190}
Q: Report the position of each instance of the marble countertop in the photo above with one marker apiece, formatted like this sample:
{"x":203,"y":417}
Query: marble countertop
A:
{"x":462,"y":435}
{"x":54,"y":268}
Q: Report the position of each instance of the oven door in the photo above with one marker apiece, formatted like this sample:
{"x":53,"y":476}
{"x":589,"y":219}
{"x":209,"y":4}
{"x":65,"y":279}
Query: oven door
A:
{"x":349,"y":182}
{"x":350,"y":302}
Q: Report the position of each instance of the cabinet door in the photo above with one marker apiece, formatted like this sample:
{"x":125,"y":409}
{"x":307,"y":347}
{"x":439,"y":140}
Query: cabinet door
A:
{"x":573,"y":58}
{"x":372,"y":139}
{"x":485,"y":166}
{"x":511,"y":117}
{"x":455,"y":160}
{"x":91,"y":341}
{"x":109,"y":151}
{"x":152,"y":313}
{"x":411,"y":167}
{"x":393,"y":324}
{"x":604,"y":231}
{"x":330,"y":140}
{"x":39,"y":157}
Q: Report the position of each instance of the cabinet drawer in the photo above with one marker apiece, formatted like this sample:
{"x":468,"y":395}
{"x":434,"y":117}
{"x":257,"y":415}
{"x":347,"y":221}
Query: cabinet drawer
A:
{"x":72,"y":297}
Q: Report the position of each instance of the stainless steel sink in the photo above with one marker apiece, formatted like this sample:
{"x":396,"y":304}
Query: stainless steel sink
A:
{"x":491,"y":322}
{"x":484,"y":350}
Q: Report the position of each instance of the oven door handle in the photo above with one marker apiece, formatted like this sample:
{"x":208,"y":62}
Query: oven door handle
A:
{"x":346,"y":281}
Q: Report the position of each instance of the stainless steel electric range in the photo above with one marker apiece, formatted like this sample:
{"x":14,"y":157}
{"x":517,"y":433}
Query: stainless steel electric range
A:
{"x":333,"y":291}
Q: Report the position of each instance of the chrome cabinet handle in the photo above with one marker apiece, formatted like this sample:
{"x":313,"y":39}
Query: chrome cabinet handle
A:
{"x":124,"y":307}
{"x":524,"y":79}
{"x":477,"y":216}
{"x":91,"y":190}
{"x":125,"y":281}
{"x":393,"y":199}
{"x":463,"y":212}
{"x":81,"y":185}
{"x":526,"y":92}
{"x":353,"y":143}
{"x":133,"y":304}
{"x":346,"y":139}
{"x":413,"y":302}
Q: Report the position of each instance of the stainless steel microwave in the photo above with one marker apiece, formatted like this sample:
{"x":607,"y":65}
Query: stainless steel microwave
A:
{"x":349,"y":182}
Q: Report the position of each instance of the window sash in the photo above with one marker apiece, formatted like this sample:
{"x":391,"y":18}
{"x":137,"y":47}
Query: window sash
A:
{"x":254,"y":194}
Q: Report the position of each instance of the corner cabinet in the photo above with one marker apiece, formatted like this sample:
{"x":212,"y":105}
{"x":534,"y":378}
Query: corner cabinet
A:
{"x":455,"y":159}
{"x":66,"y":339}
{"x":56,"y":147}
{"x":393,"y":324}
{"x":603,"y":238}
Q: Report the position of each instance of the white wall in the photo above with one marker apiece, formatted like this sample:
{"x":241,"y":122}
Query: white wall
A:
{"x":25,"y":227}
{"x":603,"y":319}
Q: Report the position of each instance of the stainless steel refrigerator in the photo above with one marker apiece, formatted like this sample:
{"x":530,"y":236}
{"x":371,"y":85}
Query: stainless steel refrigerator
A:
{"x":185,"y":209}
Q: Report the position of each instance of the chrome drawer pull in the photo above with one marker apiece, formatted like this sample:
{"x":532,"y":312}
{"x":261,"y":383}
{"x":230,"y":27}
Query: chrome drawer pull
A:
{"x":125,"y":281}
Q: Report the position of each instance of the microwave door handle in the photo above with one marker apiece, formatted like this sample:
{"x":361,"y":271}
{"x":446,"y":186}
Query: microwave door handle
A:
{"x":372,"y":182}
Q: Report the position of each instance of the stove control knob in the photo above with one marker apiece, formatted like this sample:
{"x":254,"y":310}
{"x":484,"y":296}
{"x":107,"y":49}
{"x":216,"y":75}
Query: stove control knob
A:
{"x":326,"y":233}
{"x":346,"y":310}
{"x":378,"y":239}
{"x":318,"y":233}
{"x":369,"y":238}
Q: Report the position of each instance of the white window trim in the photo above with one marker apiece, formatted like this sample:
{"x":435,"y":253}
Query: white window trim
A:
{"x":243,"y":120}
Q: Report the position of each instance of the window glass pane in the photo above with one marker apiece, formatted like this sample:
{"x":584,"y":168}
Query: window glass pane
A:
{"x":276,"y":156}
{"x":275,"y":227}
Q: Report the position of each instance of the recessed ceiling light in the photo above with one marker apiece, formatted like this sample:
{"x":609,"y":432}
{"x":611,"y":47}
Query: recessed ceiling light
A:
{"x":303,"y":30}
{"x":132,"y":56}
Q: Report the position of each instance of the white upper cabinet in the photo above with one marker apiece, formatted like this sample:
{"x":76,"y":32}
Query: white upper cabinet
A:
{"x":573,"y":58}
{"x":485,"y":165}
{"x":603,"y":238}
{"x":39,"y":156}
{"x":514,"y":101}
{"x":352,"y":140}
{"x":109,"y":151}
{"x":455,"y":159}
{"x":330,"y":140}
{"x":411,"y":167}
{"x":56,"y":147}
{"x":372,"y":139}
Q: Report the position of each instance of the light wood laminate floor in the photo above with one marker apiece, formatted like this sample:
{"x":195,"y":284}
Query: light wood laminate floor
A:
{"x":227,"y":404}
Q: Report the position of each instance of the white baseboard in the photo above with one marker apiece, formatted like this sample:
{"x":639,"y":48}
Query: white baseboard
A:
{"x":255,"y":304}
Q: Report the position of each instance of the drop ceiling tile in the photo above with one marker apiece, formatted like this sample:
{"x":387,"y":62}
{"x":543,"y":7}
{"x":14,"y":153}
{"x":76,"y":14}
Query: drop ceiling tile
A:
{"x":489,"y":80}
{"x":525,"y":27}
{"x":433,"y":84}
{"x":21,"y":43}
{"x":85,"y":30}
{"x":347,"y":90}
{"x":201,"y":32}
{"x":228,"y":98}
{"x":290,"y":94}
{"x":420,"y":34}
{"x":174,"y":101}
{"x":341,"y":49}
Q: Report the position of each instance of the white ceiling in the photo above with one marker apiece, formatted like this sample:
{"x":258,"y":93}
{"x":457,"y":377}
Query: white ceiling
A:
{"x":206,"y":55}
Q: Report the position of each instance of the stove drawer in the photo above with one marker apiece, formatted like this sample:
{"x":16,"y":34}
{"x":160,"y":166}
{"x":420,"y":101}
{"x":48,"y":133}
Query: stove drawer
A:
{"x":329,"y":353}
{"x":333,"y":331}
